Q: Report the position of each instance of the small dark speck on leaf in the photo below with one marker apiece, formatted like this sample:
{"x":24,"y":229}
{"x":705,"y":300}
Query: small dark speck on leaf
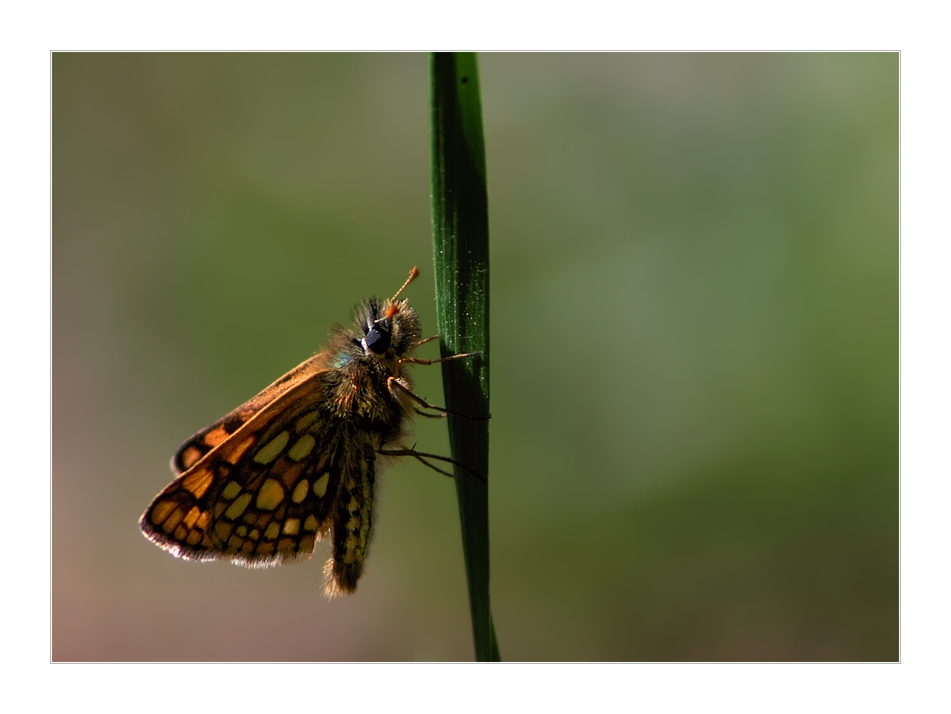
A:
{"x":465,"y":79}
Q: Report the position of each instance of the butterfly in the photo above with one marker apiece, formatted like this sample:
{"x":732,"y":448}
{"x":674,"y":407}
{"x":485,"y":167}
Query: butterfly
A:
{"x":297,"y":463}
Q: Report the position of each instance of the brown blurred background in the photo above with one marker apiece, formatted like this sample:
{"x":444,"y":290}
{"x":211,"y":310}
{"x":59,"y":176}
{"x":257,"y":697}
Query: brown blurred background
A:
{"x":694,"y":335}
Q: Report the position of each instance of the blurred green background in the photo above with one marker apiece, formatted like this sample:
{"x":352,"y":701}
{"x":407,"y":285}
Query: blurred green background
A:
{"x":694,"y":332}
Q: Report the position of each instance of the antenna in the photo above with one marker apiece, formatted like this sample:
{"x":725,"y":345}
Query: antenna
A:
{"x":413,"y":274}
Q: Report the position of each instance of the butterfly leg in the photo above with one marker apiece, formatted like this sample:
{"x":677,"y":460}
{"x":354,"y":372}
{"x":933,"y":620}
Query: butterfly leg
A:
{"x":393,"y":382}
{"x":418,"y":360}
{"x":428,"y":339}
{"x":422,"y":456}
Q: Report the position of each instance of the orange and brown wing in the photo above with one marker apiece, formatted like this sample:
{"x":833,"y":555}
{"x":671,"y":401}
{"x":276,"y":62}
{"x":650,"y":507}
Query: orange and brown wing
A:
{"x":199,"y":444}
{"x":263,"y":492}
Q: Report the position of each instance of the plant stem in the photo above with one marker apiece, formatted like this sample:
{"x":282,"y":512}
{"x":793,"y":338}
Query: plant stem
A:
{"x":461,"y":257}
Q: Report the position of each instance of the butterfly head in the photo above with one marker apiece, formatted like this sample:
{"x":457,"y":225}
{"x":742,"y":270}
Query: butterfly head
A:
{"x":389,"y":328}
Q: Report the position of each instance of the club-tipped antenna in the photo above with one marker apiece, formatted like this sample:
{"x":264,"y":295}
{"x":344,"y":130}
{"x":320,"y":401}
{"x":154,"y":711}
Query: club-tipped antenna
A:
{"x":413,"y":274}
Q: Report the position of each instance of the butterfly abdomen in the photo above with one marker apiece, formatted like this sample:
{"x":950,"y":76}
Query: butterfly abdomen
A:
{"x":352,"y":520}
{"x":368,"y":415}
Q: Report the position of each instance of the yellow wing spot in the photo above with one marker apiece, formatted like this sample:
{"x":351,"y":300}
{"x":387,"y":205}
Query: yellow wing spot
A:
{"x":231,"y":490}
{"x":265,"y":548}
{"x":255,"y":534}
{"x":300,"y":491}
{"x":311,"y":523}
{"x":306,"y":544}
{"x":181,"y":532}
{"x":241,"y":531}
{"x":161,"y":510}
{"x":192,"y":516}
{"x":248,"y":547}
{"x":353,"y":524}
{"x":203,"y":520}
{"x":197,"y":482}
{"x":238,"y":505}
{"x":235,"y":455}
{"x":302,"y":447}
{"x":173,"y":520}
{"x":272,"y":530}
{"x":306,"y":420}
{"x":193,"y":538}
{"x":285,"y":545}
{"x":320,"y":485}
{"x":270,"y":495}
{"x":354,"y":505}
{"x":222,"y":531}
{"x":291,"y":526}
{"x":273,"y":448}
{"x":234,"y":543}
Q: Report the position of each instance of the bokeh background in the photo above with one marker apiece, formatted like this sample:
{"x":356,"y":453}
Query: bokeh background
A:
{"x":694,"y":348}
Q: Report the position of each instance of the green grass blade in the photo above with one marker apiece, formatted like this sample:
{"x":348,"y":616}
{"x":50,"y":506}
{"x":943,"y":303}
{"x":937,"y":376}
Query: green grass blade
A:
{"x":461,"y":256}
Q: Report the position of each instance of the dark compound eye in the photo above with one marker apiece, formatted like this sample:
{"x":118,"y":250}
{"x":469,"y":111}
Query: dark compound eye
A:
{"x":378,"y":337}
